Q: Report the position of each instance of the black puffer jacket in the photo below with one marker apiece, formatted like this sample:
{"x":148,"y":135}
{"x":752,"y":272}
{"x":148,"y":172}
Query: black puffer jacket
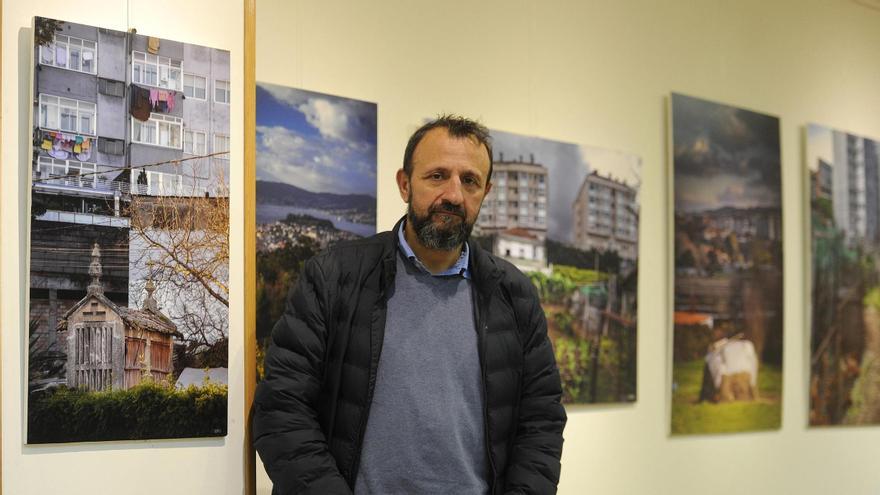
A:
{"x":310,"y":411}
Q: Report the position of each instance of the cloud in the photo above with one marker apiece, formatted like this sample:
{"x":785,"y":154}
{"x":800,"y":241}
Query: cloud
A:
{"x":330,"y":119}
{"x":333,"y":116}
{"x":316,"y":165}
{"x":716,"y":143}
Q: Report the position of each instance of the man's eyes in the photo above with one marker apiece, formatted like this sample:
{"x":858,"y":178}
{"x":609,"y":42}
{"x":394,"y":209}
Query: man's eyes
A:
{"x":468,"y":180}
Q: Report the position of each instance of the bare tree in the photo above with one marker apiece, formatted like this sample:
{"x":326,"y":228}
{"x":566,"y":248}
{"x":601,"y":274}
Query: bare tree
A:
{"x":180,"y":241}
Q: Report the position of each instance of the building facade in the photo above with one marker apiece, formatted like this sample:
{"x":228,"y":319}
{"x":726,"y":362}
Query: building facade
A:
{"x":518,"y":199}
{"x":115,"y":115}
{"x":855,"y":187}
{"x":606,"y":216}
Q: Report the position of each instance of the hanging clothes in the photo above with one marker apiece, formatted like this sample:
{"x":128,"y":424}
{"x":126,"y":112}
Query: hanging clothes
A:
{"x":59,"y":154}
{"x":154,"y":97}
{"x":170,"y":101}
{"x":162,"y":102}
{"x":140,"y":103}
{"x":152,"y":45}
{"x":60,"y":55}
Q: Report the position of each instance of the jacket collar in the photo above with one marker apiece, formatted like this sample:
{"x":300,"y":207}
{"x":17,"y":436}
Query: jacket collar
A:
{"x":483,"y":267}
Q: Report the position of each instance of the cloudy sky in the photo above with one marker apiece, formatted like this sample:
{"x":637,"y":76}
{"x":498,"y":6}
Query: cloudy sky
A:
{"x":318,"y":142}
{"x":724,"y":156}
{"x":567,"y":166}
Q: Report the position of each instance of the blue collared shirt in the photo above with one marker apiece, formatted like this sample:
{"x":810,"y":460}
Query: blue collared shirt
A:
{"x":459,"y":268}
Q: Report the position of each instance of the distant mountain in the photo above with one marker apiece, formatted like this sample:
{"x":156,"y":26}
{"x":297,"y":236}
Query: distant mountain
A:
{"x":277,"y":193}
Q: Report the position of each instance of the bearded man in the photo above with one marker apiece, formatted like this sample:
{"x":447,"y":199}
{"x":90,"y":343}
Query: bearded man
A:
{"x":413,"y":361}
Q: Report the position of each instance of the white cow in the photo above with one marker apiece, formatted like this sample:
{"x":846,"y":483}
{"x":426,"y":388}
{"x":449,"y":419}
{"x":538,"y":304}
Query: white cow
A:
{"x":731,"y":357}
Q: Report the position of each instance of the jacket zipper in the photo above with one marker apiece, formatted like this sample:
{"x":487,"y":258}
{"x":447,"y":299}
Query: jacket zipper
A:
{"x":371,"y":386}
{"x":481,"y":339}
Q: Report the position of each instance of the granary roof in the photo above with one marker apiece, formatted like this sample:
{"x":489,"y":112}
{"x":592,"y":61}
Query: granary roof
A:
{"x":149,"y":318}
{"x":138,"y":319}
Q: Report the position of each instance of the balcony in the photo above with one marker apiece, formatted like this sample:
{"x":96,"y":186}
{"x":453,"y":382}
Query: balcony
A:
{"x":84,"y":218}
{"x":89,"y":185}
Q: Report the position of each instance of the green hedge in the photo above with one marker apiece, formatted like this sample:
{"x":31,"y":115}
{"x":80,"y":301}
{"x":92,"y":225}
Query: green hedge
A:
{"x":148,"y":410}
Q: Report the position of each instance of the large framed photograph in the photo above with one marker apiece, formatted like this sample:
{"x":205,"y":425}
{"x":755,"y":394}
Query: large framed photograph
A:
{"x":567,"y":216}
{"x":316,"y":186}
{"x":727,"y":341}
{"x":844,"y":173}
{"x":128,"y":324}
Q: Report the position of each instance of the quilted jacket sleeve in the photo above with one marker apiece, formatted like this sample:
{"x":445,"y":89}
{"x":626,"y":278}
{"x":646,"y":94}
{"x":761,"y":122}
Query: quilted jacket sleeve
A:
{"x":533,"y":466}
{"x":286,"y":430}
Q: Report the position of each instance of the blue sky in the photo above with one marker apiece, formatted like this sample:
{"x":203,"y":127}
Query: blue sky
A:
{"x":319,"y":142}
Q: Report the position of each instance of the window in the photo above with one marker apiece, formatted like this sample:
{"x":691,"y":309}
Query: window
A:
{"x":110,"y":87}
{"x":194,"y":142}
{"x":160,"y":130}
{"x":65,"y":172}
{"x":153,"y":70}
{"x":195,"y":86}
{"x":110,"y":146}
{"x":163,"y":184}
{"x":221,"y":91}
{"x":66,"y":114}
{"x":221,"y":144}
{"x":70,"y":53}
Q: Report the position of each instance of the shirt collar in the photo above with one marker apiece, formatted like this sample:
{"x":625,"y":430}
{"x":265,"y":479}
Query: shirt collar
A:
{"x":461,"y":267}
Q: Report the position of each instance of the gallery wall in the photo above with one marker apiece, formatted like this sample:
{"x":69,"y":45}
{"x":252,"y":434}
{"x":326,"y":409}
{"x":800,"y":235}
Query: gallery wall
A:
{"x":211,"y":465}
{"x":594,"y":73}
{"x":599,"y":73}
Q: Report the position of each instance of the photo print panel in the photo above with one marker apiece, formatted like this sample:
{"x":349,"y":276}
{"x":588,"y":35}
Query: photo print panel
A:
{"x":568,"y":217}
{"x":128,"y":325}
{"x":316,"y":186}
{"x":727,"y":340}
{"x":844,"y":177}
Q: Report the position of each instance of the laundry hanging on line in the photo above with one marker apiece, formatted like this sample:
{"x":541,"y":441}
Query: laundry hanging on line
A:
{"x":144,"y":101}
{"x":62,"y":145}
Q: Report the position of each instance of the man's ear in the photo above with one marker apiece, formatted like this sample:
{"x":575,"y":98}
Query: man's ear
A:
{"x":403,"y":184}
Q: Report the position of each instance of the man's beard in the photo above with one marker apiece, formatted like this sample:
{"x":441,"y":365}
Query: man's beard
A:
{"x":447,"y":235}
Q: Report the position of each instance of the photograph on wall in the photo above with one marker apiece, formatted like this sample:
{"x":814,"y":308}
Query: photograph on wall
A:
{"x":568,"y":217}
{"x":128,"y":323}
{"x":727,"y":341}
{"x":316,"y":186}
{"x":844,"y":183}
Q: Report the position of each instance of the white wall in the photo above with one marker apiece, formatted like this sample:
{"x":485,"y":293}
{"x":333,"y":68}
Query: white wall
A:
{"x":597,"y":72}
{"x":144,"y":467}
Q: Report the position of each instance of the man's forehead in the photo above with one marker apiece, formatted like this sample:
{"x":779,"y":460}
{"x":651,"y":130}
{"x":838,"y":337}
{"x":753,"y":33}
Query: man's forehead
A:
{"x":438,"y":146}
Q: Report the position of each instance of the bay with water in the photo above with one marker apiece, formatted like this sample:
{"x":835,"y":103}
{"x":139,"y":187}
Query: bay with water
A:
{"x":274,"y":213}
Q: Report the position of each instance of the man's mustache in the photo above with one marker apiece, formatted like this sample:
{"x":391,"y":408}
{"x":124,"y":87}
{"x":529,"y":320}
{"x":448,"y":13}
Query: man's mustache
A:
{"x":447,"y":208}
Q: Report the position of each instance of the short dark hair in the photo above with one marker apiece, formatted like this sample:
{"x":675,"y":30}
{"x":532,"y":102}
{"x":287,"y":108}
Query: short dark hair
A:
{"x":458,"y":127}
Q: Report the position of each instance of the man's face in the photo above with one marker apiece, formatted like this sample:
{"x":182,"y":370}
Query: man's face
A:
{"x":446,"y":189}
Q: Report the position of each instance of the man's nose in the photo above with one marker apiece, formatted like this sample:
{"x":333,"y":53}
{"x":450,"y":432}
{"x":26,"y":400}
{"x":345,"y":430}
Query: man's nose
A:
{"x":452,"y":192}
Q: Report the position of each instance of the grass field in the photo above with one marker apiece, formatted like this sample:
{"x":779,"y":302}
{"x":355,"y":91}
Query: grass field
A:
{"x":689,"y":416}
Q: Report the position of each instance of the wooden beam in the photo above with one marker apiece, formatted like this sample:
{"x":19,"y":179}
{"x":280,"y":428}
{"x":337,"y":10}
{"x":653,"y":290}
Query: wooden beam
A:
{"x":250,"y":240}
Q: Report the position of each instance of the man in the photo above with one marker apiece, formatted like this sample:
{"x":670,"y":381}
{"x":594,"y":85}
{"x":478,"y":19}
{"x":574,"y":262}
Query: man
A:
{"x":413,"y":361}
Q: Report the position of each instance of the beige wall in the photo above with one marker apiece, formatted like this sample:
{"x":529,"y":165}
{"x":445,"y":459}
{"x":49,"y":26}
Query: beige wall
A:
{"x":206,"y":466}
{"x":597,"y":73}
{"x":587,"y":72}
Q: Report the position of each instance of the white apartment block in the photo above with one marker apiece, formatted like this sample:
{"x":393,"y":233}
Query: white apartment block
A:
{"x":606,"y":216}
{"x":518,"y":199}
